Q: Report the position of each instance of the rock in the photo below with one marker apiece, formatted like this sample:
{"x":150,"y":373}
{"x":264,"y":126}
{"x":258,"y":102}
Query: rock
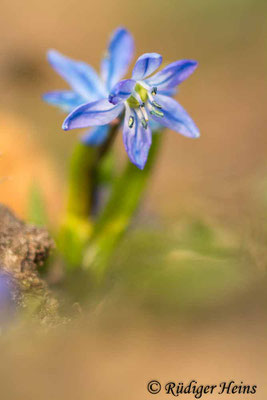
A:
{"x":23,"y":250}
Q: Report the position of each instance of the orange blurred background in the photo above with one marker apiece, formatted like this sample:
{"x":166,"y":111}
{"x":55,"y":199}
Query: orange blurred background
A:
{"x":219,"y":179}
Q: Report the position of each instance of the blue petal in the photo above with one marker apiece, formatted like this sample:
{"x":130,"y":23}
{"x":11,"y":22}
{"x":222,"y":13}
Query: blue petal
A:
{"x":146,"y":65}
{"x":119,"y":55}
{"x":65,"y":99}
{"x":121,"y":91}
{"x":175,"y":117}
{"x":172,"y":75}
{"x":168,"y":92}
{"x":96,"y":136}
{"x":81,"y":77}
{"x":99,"y":112}
{"x":137,"y":140}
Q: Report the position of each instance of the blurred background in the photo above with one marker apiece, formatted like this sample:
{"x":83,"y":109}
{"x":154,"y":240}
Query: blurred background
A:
{"x":186,"y":294}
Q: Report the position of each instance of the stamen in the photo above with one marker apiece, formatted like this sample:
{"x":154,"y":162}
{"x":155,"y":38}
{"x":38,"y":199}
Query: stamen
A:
{"x":144,"y":123}
{"x":131,"y":121}
{"x":156,"y":104}
{"x":143,"y":110}
{"x":149,"y":106}
{"x":142,"y":115}
{"x":151,"y":98}
{"x":156,"y":112}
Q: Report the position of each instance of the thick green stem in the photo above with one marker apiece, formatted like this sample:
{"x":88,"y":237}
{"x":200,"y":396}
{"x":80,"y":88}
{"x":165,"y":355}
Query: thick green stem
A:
{"x":80,"y":181}
{"x":77,"y":224}
{"x":118,"y":213}
{"x":85,"y":164}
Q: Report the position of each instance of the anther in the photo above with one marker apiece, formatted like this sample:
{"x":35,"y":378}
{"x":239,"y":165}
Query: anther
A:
{"x":144,"y":123}
{"x":131,"y":121}
{"x":155,"y":104}
{"x":154,"y":90}
{"x":156,"y":112}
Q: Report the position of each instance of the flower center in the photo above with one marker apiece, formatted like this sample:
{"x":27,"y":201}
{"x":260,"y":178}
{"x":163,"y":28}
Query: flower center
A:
{"x":139,"y":96}
{"x":142,"y":97}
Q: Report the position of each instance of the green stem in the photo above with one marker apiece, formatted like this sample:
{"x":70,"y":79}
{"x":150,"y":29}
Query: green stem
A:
{"x":80,"y":181}
{"x":85,"y":164}
{"x":118,"y":213}
{"x":77,"y":224}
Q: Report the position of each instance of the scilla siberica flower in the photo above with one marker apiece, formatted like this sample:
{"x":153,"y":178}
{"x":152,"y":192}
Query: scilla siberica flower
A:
{"x":145,"y":99}
{"x":86,"y":85}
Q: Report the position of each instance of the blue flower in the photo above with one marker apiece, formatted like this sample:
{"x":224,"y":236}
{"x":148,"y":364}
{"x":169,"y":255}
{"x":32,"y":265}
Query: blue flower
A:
{"x":86,"y":85}
{"x":146,"y":99}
